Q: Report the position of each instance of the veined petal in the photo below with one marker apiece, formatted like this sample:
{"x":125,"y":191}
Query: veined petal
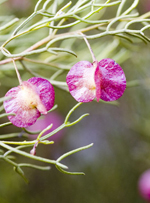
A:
{"x":97,"y":78}
{"x":45,"y":90}
{"x":80,"y":81}
{"x":113,"y":80}
{"x":28,"y":102}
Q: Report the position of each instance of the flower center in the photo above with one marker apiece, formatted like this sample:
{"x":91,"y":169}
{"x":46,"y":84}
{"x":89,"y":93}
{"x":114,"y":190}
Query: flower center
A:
{"x":89,"y":81}
{"x":27,"y":97}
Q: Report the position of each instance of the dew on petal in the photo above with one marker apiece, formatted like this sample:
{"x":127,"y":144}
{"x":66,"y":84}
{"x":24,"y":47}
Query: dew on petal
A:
{"x":80,"y":81}
{"x":28,"y":101}
{"x":113,"y":81}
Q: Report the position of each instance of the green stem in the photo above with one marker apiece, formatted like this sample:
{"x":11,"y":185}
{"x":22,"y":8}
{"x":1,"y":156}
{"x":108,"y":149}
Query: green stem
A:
{"x":74,"y":151}
{"x":53,"y":132}
{"x":70,"y":153}
{"x":5,"y":124}
{"x":6,"y":114}
{"x":11,"y":135}
{"x":35,"y":166}
{"x":43,"y":131}
{"x":27,"y":142}
{"x":31,"y":156}
{"x":71,"y":111}
{"x":90,"y":49}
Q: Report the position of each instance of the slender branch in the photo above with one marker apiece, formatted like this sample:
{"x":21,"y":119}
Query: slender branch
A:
{"x":47,"y":39}
{"x":90,"y":49}
{"x":16,"y":69}
{"x":31,"y":156}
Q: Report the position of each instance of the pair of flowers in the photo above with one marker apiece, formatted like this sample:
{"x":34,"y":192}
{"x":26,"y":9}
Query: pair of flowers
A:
{"x":86,"y":81}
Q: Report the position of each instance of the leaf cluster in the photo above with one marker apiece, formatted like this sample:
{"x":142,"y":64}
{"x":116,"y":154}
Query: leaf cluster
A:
{"x":49,"y":39}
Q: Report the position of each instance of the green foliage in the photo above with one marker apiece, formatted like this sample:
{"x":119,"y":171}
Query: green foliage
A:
{"x":50,"y":39}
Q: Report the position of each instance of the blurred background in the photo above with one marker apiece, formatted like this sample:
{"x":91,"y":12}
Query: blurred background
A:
{"x":120,"y":133}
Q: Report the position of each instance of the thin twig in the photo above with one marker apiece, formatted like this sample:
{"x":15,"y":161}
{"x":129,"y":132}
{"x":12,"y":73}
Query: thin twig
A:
{"x":47,"y":39}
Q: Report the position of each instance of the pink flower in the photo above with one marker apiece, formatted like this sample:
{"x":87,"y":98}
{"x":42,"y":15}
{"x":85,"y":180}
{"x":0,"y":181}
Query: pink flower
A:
{"x":101,"y":80}
{"x":144,"y":185}
{"x":29,"y":100}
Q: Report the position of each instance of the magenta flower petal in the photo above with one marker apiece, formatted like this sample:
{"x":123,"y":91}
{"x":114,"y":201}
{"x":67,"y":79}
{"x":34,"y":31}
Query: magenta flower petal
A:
{"x":28,"y":101}
{"x":97,"y":78}
{"x":80,"y":81}
{"x":113,"y":81}
{"x":144,"y":185}
{"x":45,"y":91}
